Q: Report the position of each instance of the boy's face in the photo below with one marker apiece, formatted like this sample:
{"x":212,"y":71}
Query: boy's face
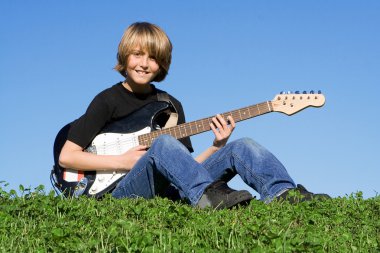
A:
{"x":141,"y":67}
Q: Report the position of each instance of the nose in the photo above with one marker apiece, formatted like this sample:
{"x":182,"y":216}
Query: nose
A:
{"x":144,"y":61}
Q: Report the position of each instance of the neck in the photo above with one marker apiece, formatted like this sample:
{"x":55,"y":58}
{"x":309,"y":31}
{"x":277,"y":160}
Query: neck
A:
{"x":137,"y":88}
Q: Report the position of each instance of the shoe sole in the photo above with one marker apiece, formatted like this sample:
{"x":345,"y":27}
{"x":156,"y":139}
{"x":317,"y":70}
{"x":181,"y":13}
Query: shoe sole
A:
{"x":241,"y":198}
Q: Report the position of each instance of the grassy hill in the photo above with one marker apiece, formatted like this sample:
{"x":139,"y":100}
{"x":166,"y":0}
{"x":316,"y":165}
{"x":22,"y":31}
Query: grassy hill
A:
{"x":37,"y":222}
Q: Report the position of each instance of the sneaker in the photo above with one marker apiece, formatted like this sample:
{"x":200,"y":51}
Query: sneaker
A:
{"x":303,"y":195}
{"x":219,"y":196}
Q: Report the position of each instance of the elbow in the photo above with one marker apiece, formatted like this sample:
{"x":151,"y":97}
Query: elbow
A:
{"x":66,"y":157}
{"x":63,"y":161}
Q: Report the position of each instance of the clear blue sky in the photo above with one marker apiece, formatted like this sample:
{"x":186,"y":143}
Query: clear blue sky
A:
{"x":55,"y":56}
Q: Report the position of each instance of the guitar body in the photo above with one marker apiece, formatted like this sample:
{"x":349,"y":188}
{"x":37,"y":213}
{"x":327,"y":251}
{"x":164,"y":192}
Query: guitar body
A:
{"x":114,"y":139}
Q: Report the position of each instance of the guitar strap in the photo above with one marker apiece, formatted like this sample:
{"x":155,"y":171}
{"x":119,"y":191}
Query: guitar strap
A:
{"x":173,"y":117}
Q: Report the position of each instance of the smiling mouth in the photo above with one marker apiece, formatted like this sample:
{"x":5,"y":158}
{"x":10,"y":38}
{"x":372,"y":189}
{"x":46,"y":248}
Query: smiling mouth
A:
{"x":142,"y":72}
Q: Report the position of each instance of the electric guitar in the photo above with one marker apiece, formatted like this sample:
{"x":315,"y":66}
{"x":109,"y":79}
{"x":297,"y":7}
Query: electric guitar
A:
{"x":140,"y":128}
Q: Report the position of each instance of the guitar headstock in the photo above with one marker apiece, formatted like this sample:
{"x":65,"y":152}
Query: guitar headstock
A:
{"x":290,"y":103}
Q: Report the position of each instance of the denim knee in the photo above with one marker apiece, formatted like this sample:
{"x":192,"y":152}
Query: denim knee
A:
{"x":246,"y":142}
{"x":248,"y":145}
{"x":166,"y":141}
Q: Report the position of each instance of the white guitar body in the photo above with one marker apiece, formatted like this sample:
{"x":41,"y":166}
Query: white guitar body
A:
{"x":112,"y":144}
{"x":107,"y":144}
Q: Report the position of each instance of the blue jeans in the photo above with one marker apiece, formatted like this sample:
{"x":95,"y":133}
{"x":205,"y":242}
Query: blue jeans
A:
{"x":169,"y":162}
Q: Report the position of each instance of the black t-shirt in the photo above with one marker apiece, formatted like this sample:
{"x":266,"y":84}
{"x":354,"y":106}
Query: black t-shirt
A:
{"x":110,"y":105}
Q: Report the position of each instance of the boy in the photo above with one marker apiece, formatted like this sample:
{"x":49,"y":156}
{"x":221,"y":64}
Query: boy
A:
{"x":144,"y":56}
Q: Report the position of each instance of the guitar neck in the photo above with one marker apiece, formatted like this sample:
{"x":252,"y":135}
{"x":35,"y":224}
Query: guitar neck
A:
{"x":203,"y":125}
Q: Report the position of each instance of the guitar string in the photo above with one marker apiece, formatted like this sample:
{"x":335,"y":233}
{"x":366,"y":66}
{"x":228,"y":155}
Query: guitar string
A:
{"x":118,"y":145}
{"x":176,"y":131}
{"x":189,"y":127}
{"x":115,"y":145}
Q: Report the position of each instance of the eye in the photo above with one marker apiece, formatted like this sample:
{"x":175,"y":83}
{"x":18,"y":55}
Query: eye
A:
{"x":152,"y":58}
{"x":137,"y":53}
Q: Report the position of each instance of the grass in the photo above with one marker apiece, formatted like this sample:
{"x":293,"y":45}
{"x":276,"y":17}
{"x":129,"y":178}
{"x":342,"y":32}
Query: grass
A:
{"x":38,"y":222}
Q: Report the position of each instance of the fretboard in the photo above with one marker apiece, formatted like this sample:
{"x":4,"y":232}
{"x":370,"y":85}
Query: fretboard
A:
{"x":203,"y":125}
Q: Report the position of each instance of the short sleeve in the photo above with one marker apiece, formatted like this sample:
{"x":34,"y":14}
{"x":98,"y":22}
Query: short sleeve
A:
{"x":84,"y":129}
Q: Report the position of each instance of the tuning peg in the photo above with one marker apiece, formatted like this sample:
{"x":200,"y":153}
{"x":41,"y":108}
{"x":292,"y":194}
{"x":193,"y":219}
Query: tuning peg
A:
{"x":311,"y":92}
{"x":297,"y":92}
{"x":282,"y":92}
{"x":319,"y":92}
{"x":304,"y":92}
{"x":289,"y":92}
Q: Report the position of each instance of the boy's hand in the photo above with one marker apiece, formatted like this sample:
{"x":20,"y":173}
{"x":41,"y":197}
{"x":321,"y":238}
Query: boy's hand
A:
{"x":130,"y":158}
{"x":222,"y":130}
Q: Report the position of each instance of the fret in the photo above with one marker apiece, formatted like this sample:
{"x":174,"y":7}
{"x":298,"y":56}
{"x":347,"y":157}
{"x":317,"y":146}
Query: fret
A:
{"x":183,"y":128}
{"x":269,"y":106}
{"x":244,"y":113}
{"x":171,"y":131}
{"x":178,"y":132}
{"x":253,"y":111}
{"x":240,"y":114}
{"x":154,"y":136}
{"x":199,"y":126}
{"x":202,"y":126}
{"x":194,"y":128}
{"x":247,"y":113}
{"x":188,"y":129}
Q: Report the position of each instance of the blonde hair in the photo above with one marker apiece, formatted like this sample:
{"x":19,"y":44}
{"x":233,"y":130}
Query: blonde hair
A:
{"x":147,"y":37}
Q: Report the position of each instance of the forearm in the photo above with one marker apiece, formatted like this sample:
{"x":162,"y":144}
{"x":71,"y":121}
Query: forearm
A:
{"x":206,"y":154}
{"x":73,"y":156}
{"x":87,"y":161}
